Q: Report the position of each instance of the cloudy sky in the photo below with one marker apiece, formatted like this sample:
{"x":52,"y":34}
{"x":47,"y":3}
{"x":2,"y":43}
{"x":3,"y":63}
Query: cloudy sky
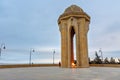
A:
{"x":26,"y":24}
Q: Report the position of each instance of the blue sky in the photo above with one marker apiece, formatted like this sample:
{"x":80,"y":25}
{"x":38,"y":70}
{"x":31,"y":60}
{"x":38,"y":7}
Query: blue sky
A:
{"x":26,"y":24}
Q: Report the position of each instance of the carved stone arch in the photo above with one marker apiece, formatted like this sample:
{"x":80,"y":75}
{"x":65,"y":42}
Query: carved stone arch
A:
{"x":72,"y":22}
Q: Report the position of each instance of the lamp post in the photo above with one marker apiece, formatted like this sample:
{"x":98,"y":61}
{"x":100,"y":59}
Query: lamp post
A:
{"x":53,"y":56}
{"x":100,"y":50}
{"x":1,"y":48}
{"x":31,"y":50}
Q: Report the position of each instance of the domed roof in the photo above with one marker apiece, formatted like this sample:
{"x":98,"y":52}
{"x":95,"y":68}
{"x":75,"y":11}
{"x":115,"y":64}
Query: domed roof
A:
{"x":72,"y":9}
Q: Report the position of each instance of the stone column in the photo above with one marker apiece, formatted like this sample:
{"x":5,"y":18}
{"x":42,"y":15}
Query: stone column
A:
{"x":64,"y":48}
{"x":83,"y":44}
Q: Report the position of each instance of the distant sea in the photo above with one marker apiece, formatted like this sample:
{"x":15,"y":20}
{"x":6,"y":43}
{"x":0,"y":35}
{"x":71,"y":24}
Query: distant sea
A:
{"x":24,"y":58}
{"x":42,"y":57}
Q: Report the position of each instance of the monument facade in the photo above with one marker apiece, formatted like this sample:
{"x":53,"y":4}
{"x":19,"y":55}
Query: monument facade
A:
{"x":74,"y":22}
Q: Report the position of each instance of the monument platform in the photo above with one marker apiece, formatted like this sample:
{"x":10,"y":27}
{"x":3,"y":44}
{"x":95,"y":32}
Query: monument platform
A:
{"x":56,"y":73}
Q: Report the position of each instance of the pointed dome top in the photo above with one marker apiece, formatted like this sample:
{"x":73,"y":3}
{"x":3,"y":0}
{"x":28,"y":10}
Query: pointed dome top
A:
{"x":72,"y":9}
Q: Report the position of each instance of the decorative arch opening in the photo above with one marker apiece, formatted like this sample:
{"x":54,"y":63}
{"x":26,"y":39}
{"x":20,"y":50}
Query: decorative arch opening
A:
{"x":73,"y":46}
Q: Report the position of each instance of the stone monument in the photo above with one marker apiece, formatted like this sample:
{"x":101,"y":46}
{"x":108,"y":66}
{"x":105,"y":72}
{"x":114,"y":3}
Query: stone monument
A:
{"x":74,"y":21}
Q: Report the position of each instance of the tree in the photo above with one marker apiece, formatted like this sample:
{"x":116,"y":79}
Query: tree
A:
{"x":89,"y":60}
{"x":106,"y":61}
{"x":112,"y":60}
{"x":119,"y":61}
{"x":97,"y":59}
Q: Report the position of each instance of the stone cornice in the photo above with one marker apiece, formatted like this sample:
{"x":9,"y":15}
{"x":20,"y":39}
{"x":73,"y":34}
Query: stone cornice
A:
{"x":74,"y":14}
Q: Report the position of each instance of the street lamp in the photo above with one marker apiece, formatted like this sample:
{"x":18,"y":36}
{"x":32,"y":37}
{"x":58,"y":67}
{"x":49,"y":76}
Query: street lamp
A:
{"x":31,"y":50}
{"x":53,"y":56}
{"x":100,"y":50}
{"x":1,"y":48}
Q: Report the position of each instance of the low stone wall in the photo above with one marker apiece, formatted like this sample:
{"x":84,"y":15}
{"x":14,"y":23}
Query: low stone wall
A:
{"x":105,"y":65}
{"x":52,"y":65}
{"x":27,"y":65}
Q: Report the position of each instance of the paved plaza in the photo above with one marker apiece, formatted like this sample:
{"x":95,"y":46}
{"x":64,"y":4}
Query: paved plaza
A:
{"x":56,"y":73}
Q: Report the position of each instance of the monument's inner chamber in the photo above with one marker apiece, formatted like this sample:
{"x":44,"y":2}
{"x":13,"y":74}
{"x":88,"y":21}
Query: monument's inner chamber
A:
{"x":73,"y":44}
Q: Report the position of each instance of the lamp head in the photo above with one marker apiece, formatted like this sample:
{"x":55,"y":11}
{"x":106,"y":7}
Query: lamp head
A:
{"x":33,"y":50}
{"x":4,"y":47}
